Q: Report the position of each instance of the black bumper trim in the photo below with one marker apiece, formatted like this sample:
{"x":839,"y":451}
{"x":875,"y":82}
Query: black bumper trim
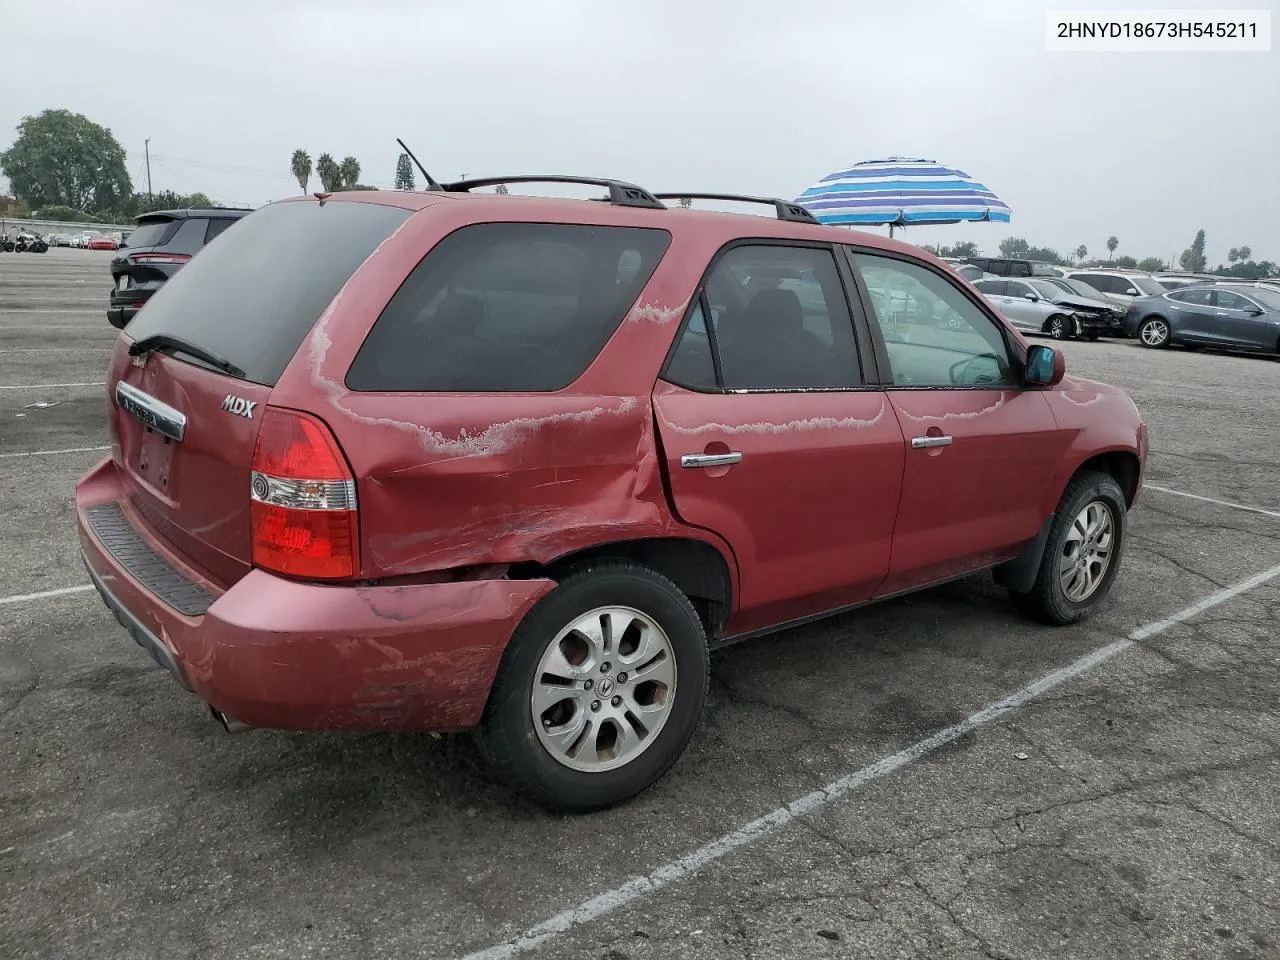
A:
{"x":131,"y":551}
{"x":143,"y":637}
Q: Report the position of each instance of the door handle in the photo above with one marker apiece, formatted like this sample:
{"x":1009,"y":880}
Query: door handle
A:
{"x":923,"y":443}
{"x":690,"y":460}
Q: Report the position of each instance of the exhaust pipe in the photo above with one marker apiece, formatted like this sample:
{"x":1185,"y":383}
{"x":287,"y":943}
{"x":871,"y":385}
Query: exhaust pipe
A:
{"x":229,"y":724}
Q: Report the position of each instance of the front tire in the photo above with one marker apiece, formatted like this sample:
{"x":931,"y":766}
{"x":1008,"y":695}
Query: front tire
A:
{"x":1154,"y":332}
{"x":1058,"y":327}
{"x":600,"y":689}
{"x":1082,"y":555}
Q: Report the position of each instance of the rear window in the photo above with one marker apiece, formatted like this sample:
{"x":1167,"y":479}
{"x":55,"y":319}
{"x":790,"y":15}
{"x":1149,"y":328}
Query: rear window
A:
{"x":152,"y":233}
{"x":253,"y":299}
{"x":507,"y":307}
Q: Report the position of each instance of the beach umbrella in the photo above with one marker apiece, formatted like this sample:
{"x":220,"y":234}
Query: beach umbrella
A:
{"x":899,"y":191}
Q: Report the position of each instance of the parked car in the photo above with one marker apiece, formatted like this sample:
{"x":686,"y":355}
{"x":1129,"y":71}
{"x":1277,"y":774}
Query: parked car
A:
{"x":1038,"y":306}
{"x":1016,"y":267}
{"x":1117,"y":305}
{"x":1172,"y":281}
{"x":101,"y":242}
{"x":427,"y":460}
{"x":967,"y":270}
{"x":158,"y":247}
{"x":1124,"y":284}
{"x":1231,"y":316}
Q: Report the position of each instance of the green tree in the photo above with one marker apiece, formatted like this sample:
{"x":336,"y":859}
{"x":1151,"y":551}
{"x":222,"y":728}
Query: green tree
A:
{"x":1081,"y":252}
{"x":965,"y":248}
{"x":1193,"y":257}
{"x":502,"y":189}
{"x":1014,"y":247}
{"x":65,"y":159}
{"x":404,"y":173}
{"x":1233,"y":254}
{"x":300,"y":166}
{"x":1245,"y":253}
{"x":1045,"y":254}
{"x":348,"y":173}
{"x":327,"y":171}
{"x":1112,"y":243}
{"x":1127,"y":262}
{"x":169,"y":200}
{"x":1151,"y":264}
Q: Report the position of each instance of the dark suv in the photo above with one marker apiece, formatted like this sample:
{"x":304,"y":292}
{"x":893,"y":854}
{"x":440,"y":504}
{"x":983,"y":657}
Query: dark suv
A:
{"x":1015,"y":267}
{"x":457,"y":461}
{"x":156,"y":249}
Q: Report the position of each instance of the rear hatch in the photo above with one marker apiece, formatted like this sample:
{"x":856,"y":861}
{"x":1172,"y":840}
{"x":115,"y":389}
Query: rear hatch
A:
{"x":187,"y":412}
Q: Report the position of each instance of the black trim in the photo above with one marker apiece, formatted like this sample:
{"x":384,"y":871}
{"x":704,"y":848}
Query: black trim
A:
{"x":620,"y":193}
{"x":1019,"y":574}
{"x":156,"y":574}
{"x":865,"y":383}
{"x":783,"y":209}
{"x":143,"y":637}
{"x":1016,"y":352}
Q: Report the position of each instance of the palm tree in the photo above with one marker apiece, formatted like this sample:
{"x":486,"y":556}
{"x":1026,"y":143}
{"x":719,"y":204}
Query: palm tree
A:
{"x":1112,"y":243}
{"x":1245,"y":254}
{"x":1081,"y":252}
{"x":349,"y":172}
{"x":502,"y":189}
{"x":327,"y":171}
{"x":301,"y":168}
{"x":686,"y":202}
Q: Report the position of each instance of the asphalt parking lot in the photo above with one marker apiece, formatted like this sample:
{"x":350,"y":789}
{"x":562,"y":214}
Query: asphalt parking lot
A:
{"x":1123,"y":807}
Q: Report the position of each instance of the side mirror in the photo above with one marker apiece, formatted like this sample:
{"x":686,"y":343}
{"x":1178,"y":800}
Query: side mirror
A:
{"x":1033,"y":297}
{"x":1253,"y":311}
{"x":1130,"y":292}
{"x":1045,"y":366}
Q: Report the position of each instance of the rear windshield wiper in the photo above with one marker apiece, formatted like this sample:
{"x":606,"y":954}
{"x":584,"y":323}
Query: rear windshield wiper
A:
{"x":147,"y":344}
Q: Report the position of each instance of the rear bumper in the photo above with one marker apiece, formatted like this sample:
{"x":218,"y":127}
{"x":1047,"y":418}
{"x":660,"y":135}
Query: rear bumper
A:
{"x":271,"y":652}
{"x":125,"y":304}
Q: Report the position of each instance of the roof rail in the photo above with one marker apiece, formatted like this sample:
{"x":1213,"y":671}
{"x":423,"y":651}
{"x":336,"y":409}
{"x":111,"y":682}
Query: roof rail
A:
{"x":785,"y":209}
{"x":621,"y":193}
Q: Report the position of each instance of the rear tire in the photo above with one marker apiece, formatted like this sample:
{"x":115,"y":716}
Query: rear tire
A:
{"x":528,"y":738}
{"x":1082,"y":555}
{"x":1154,"y":332}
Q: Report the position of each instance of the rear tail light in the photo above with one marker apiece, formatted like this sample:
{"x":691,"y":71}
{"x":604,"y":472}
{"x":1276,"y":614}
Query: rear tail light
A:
{"x":159,"y":257}
{"x":304,"y":513}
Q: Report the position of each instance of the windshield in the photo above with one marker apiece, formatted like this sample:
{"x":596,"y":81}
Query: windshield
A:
{"x":252,"y":297}
{"x":1084,"y":289}
{"x":1043,"y":270}
{"x":1148,"y":286}
{"x":1270,"y":298}
{"x":1050,"y":291}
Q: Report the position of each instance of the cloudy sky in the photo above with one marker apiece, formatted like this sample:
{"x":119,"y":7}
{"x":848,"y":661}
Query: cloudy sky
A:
{"x":751,"y":96}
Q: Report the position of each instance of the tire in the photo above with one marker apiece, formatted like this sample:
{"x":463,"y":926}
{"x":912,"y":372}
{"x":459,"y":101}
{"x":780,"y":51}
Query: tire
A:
{"x":1091,"y":336}
{"x":1154,"y":332}
{"x":532,"y":759}
{"x":1048,"y":600}
{"x":1057,"y":327}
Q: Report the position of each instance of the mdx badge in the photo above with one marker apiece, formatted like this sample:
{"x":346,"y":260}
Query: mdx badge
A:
{"x":239,"y":406}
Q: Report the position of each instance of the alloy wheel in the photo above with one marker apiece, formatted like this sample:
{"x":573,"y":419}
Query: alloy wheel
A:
{"x":1154,"y":333}
{"x":1087,"y":551}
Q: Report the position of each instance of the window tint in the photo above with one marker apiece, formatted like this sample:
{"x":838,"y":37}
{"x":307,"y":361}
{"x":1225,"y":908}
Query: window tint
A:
{"x":691,"y":364}
{"x":1019,"y":268}
{"x":152,"y":233}
{"x":216,"y":226}
{"x":1232,"y":301}
{"x":995,"y":288}
{"x":934,"y":334}
{"x":253,"y":299}
{"x":999,"y":267}
{"x":502,"y":307}
{"x":1099,"y":281}
{"x":190,"y":235}
{"x":780,"y":319}
{"x":1200,"y":298}
{"x":1017,"y":288}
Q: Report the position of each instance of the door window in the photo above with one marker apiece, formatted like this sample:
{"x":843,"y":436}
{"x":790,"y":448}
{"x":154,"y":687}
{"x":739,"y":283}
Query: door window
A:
{"x":1018,"y":289}
{"x":935,"y":335}
{"x":993,"y":288}
{"x":779,"y":321}
{"x":1199,"y":298}
{"x":1231,"y":301}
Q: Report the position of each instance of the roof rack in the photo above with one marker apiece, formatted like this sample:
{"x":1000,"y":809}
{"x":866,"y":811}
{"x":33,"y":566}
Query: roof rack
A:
{"x":784,"y":208}
{"x":620,"y":193}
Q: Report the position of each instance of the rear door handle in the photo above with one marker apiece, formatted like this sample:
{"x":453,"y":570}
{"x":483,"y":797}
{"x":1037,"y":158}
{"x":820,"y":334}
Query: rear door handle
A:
{"x":923,"y":443}
{"x":690,"y":460}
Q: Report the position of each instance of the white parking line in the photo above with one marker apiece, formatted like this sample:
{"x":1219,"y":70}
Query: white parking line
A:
{"x":51,"y":386}
{"x":45,"y":595}
{"x":639,"y":887}
{"x":50,"y":453}
{"x":1221,"y":503}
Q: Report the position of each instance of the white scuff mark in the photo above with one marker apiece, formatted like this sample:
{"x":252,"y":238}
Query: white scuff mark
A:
{"x":657,"y":314}
{"x":804,"y":425}
{"x":966,"y":415}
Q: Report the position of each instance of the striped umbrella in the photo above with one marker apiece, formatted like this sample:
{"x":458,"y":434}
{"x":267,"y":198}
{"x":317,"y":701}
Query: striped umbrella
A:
{"x":899,"y":191}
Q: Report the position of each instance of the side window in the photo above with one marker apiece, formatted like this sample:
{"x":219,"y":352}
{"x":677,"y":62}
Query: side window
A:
{"x":691,"y":365}
{"x":1000,"y":268}
{"x":216,"y":226}
{"x":1230,"y":301}
{"x":780,"y":319}
{"x":934,"y":334}
{"x":505,"y":307}
{"x":994,"y":288}
{"x":1200,"y":298}
{"x":190,"y":236}
{"x":1019,"y":268}
{"x":1017,"y":289}
{"x":1098,"y":282}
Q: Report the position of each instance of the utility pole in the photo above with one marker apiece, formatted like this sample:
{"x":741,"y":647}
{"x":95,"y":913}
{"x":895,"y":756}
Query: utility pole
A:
{"x":146,"y":146}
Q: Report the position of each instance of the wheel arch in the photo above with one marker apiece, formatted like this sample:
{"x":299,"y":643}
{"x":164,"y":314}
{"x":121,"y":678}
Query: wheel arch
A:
{"x":698,"y":568}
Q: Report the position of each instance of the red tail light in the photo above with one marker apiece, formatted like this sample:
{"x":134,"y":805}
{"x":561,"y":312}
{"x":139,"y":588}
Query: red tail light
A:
{"x":159,"y":257}
{"x":304,"y":500}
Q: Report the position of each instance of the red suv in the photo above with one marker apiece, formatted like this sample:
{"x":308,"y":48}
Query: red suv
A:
{"x":458,"y":461}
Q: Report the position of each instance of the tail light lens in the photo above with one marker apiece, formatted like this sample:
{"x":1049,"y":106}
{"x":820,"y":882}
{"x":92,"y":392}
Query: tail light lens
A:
{"x":304,"y":513}
{"x":159,"y":258}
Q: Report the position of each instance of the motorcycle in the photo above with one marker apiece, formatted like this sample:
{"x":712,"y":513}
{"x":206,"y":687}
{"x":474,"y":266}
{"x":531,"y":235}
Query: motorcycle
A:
{"x":31,"y":243}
